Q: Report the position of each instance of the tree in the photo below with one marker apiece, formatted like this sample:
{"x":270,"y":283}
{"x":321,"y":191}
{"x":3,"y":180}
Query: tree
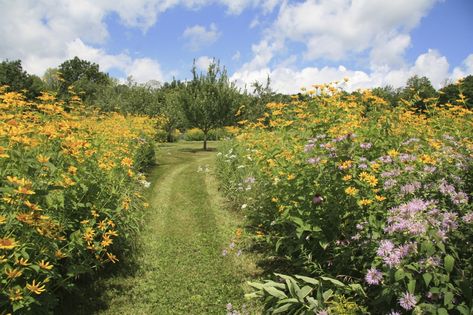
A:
{"x":452,"y":93}
{"x":209,"y":100}
{"x":51,"y":79}
{"x":84,"y":76}
{"x":388,"y":93}
{"x":13,"y":75}
{"x":418,"y":91}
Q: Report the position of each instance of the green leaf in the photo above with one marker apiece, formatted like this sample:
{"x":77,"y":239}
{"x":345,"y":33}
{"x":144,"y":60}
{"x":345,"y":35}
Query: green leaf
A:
{"x":308,"y":279}
{"x":304,"y":292}
{"x":411,"y":286}
{"x":449,"y":261}
{"x":427,"y":278}
{"x":447,"y":298}
{"x":442,"y":311}
{"x":399,"y":274}
{"x":275,"y":292}
{"x":464,"y":310}
{"x":327,"y":295}
{"x":333,"y":281}
{"x":282,"y":309}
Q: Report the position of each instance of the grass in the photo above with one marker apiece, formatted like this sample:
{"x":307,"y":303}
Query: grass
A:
{"x":179,"y":267}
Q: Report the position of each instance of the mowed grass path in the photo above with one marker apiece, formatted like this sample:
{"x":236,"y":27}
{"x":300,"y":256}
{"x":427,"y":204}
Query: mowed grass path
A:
{"x":180,"y":268}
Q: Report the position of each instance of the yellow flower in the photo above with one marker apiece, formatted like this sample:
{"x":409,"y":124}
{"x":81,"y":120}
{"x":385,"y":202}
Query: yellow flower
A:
{"x":393,"y":153}
{"x":89,"y":234}
{"x":364,"y":202}
{"x":351,"y":191}
{"x":13,"y":273}
{"x":22,"y":262}
{"x":112,"y":257}
{"x":3,"y":219}
{"x":24,"y":191}
{"x":36,"y":288}
{"x":347,"y":178}
{"x":426,"y":159}
{"x":127,"y":162}
{"x":7,"y":243}
{"x":72,"y":170}
{"x":15,"y":295}
{"x":345,"y":165}
{"x":379,"y":198}
{"x":42,"y":159}
{"x":32,"y":206}
{"x":291,"y":176}
{"x":45,"y":265}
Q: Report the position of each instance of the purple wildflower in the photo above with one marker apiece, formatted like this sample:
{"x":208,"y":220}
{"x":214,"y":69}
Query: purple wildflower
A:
{"x":250,"y":180}
{"x":322,"y":312}
{"x":430,"y":169}
{"x":318,"y":199}
{"x":229,"y":307}
{"x":394,"y":313}
{"x":410,"y":188}
{"x":385,"y":159}
{"x":459,"y":198}
{"x":408,"y":301}
{"x":309,"y":147}
{"x":224,"y":252}
{"x":389,"y":184}
{"x":365,"y":145}
{"x":313,"y":160}
{"x":468,"y":218}
{"x":363,"y":166}
{"x":385,"y":247}
{"x":373,"y":276}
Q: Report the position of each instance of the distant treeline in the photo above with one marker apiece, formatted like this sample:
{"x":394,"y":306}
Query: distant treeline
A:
{"x":207,"y":101}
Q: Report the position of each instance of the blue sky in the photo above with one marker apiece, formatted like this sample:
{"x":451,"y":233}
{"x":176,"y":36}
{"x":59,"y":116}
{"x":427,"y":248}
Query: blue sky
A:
{"x":296,"y":43}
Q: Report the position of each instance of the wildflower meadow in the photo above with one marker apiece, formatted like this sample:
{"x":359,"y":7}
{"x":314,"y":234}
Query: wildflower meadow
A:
{"x":71,"y":191}
{"x":367,"y":205}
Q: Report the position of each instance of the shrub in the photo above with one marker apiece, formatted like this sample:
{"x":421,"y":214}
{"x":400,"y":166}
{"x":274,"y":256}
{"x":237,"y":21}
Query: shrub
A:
{"x":70,"y":195}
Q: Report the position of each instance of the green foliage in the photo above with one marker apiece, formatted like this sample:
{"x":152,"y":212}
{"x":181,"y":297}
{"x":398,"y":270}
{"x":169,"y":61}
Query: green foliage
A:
{"x":210,"y":100}
{"x":13,"y":75}
{"x":327,"y":182}
{"x":418,"y":92}
{"x":300,"y":295}
{"x":84,"y":76}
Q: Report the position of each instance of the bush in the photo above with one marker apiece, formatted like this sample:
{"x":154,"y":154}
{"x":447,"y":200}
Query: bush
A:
{"x":346,"y":186}
{"x":196,"y":134}
{"x":70,"y":194}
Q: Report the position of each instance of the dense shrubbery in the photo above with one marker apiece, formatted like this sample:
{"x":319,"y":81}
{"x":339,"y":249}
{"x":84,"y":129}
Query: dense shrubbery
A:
{"x":70,"y":194}
{"x":348,"y":187}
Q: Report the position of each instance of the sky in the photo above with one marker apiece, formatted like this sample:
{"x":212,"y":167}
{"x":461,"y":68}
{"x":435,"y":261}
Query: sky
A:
{"x":295,"y":43}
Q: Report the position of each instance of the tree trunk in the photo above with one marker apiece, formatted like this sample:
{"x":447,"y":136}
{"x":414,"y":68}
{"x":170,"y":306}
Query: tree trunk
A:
{"x":205,"y":140}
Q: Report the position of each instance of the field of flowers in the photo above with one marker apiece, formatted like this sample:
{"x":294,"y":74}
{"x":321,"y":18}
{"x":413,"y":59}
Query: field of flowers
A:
{"x":370,"y":203}
{"x":70,"y":194}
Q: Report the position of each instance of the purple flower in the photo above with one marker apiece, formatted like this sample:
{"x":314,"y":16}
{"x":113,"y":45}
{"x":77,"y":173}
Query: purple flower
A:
{"x":309,"y":147}
{"x":394,"y":313}
{"x":322,"y":312}
{"x":459,"y":198}
{"x":468,"y":218}
{"x":430,"y":169}
{"x":229,"y":307}
{"x":239,"y":252}
{"x":446,"y":189}
{"x":365,"y":145}
{"x":385,"y":159}
{"x":389,"y":184}
{"x":373,"y":276}
{"x":363,"y":166}
{"x":318,"y":199}
{"x":313,"y":160}
{"x":224,"y":252}
{"x":408,"y":301}
{"x":393,"y":259}
{"x":232,"y":245}
{"x":385,"y":247}
{"x":410,"y":188}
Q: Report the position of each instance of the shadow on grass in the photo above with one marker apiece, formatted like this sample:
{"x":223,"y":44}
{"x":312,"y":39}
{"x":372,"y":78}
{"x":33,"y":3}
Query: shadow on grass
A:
{"x":195,"y":150}
{"x":87,"y":295}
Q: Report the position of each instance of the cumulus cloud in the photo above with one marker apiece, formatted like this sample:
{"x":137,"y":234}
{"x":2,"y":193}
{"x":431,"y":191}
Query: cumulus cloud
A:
{"x":466,"y":68}
{"x":141,"y":69}
{"x":199,"y":36}
{"x":286,"y":79}
{"x":40,"y":32}
{"x":202,"y":63}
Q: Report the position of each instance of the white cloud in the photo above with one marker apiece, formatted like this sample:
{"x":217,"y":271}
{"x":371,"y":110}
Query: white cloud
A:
{"x":199,"y":36}
{"x":202,"y":63}
{"x":341,"y":29}
{"x":465,"y":69}
{"x":142,"y":69}
{"x":39,"y":32}
{"x":286,"y":79}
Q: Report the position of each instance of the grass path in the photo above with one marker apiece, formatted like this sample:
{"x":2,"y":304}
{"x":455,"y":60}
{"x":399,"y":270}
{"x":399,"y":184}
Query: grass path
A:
{"x":180,"y":267}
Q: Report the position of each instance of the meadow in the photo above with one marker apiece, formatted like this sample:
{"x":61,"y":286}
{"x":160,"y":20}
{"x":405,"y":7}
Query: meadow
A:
{"x":365,"y":207}
{"x":71,"y":194}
